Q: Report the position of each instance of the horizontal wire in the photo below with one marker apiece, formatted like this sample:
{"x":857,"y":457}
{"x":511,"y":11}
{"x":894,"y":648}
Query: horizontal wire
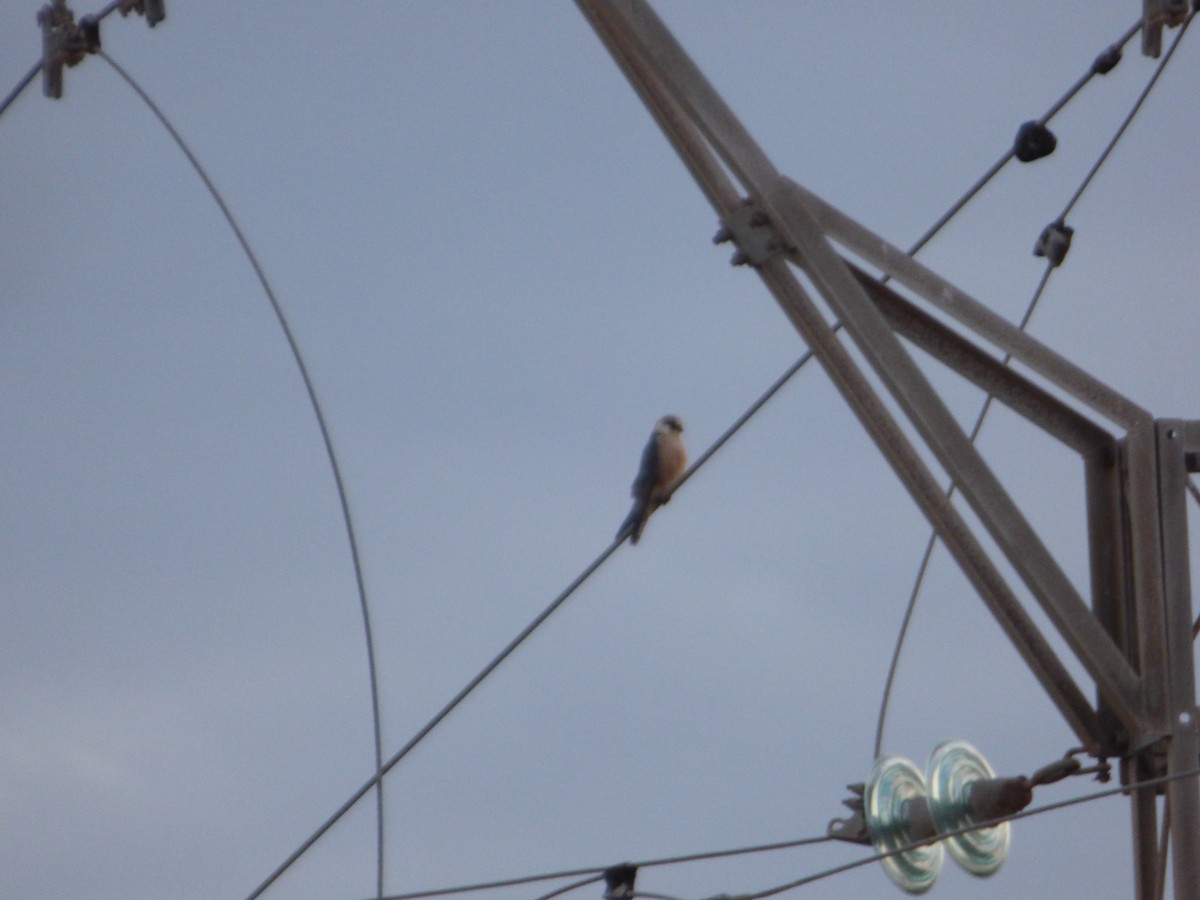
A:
{"x":977,"y":826}
{"x":566,"y":889}
{"x":599,"y":870}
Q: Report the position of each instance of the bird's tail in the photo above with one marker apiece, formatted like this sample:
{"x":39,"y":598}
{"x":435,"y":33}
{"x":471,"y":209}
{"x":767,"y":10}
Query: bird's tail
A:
{"x":633,"y":524}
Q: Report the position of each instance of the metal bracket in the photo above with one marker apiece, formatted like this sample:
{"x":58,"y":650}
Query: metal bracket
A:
{"x":853,"y":828}
{"x":750,"y":229}
{"x":1156,"y":14}
{"x":63,"y":43}
{"x":154,"y":10}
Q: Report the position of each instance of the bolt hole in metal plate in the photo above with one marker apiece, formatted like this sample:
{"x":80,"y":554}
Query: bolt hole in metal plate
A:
{"x":953,"y":767}
{"x":893,"y":785}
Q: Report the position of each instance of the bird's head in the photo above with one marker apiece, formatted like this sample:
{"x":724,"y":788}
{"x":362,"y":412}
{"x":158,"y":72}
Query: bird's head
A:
{"x":670,"y":423}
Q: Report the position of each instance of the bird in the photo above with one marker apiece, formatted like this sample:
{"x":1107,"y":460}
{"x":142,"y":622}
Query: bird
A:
{"x":663,"y":463}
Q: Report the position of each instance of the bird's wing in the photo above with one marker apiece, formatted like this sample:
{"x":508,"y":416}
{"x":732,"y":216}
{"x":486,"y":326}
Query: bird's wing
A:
{"x":647,"y":472}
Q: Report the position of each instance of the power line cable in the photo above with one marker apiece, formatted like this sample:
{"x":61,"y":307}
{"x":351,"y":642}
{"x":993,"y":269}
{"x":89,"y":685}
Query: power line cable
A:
{"x":599,"y":870}
{"x":758,"y":404}
{"x":1158,"y":70}
{"x":923,"y":568}
{"x":439,"y":716}
{"x":503,"y":654}
{"x":1102,"y":65}
{"x":1052,"y":263}
{"x":566,"y":889}
{"x":381,"y":768}
{"x":596,"y":874}
{"x":20,"y":86}
{"x":976,"y":826}
{"x":326,"y":436}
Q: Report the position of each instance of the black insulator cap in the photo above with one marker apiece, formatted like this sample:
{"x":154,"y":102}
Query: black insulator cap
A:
{"x":1106,"y":61}
{"x":1054,"y":242}
{"x":1034,"y":140}
{"x":618,"y":882}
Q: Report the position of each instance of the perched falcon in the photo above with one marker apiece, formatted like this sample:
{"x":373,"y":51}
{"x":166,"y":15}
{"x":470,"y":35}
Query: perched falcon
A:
{"x":663,"y":463}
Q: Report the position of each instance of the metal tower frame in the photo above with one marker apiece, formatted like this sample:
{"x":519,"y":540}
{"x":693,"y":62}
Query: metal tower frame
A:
{"x":1134,"y":639}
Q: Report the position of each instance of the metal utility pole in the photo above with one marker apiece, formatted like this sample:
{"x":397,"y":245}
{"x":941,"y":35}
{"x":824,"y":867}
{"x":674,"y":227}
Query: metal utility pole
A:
{"x":1134,"y":637}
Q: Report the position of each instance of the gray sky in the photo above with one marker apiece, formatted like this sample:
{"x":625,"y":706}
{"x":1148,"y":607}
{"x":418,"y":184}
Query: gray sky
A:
{"x":500,"y":276}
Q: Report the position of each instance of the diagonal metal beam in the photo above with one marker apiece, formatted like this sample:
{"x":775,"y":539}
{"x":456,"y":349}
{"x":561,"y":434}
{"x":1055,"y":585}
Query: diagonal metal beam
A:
{"x":741,"y":154}
{"x":684,"y":103}
{"x":995,"y":377}
{"x":955,"y":302}
{"x":954,"y":450}
{"x":931,"y":497}
{"x":713,"y":179}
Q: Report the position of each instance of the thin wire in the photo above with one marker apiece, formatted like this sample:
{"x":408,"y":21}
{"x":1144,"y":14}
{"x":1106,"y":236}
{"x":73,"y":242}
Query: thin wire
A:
{"x":745,"y":417}
{"x":441,"y":714}
{"x":933,"y":535}
{"x":505,"y":653}
{"x":21,"y":85}
{"x":570,"y":887}
{"x":594,"y":874}
{"x":1008,"y":155}
{"x":933,"y":538}
{"x":647,"y":864}
{"x":976,"y":826}
{"x":1158,"y":70}
{"x":37,"y":66}
{"x":343,"y":497}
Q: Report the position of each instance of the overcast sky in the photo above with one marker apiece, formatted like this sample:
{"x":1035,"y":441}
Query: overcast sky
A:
{"x":500,"y":276}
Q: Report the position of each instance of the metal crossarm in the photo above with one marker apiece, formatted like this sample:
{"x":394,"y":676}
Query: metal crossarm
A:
{"x":1134,"y":639}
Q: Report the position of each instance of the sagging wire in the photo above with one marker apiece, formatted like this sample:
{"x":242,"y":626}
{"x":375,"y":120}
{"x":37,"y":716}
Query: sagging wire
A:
{"x":1053,"y":245}
{"x":326,"y":436}
{"x":1026,"y":146}
{"x":932,"y":542}
{"x":1111,"y":56}
{"x":1056,"y":771}
{"x":487,"y":670}
{"x":597,"y":873}
{"x":974,"y":826}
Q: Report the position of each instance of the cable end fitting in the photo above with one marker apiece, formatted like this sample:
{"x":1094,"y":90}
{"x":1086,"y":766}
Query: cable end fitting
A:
{"x":1054,"y":242}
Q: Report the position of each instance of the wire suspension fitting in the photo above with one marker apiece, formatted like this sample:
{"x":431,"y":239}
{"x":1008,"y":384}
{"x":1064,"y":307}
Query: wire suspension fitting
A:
{"x":65,"y":42}
{"x":897,"y":807}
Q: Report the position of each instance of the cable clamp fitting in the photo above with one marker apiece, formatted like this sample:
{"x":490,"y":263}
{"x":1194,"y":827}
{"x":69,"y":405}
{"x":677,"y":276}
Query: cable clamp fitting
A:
{"x":154,"y":10}
{"x":619,"y":881}
{"x":1054,"y":242}
{"x":750,"y":229}
{"x":63,"y":43}
{"x":1107,"y":61}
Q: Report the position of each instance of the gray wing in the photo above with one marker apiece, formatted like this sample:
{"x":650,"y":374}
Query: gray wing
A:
{"x":643,"y":487}
{"x":648,"y":471}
